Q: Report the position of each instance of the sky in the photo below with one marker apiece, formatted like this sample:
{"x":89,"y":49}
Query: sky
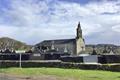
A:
{"x":32,"y":21}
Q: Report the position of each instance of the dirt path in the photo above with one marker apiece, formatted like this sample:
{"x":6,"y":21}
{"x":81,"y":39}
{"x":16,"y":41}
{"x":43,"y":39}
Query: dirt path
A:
{"x":41,"y":77}
{"x":4,"y":77}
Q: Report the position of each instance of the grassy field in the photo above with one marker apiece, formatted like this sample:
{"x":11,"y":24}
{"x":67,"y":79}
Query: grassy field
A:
{"x":72,"y":74}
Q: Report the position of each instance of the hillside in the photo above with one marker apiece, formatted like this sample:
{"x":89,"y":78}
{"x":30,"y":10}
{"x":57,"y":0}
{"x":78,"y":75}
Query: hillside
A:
{"x":101,"y":47}
{"x":9,"y":43}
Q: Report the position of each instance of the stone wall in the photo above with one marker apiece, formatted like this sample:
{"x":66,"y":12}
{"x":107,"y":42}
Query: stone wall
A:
{"x":109,"y":59}
{"x":80,"y":46}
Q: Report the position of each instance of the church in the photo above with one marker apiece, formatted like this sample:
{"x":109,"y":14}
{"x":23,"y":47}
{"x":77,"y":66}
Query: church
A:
{"x":72,"y":46}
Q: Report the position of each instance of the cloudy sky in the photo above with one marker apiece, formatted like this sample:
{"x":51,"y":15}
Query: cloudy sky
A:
{"x":32,"y":21}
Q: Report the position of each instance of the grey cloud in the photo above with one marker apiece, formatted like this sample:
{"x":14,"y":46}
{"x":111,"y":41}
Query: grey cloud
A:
{"x":46,"y":19}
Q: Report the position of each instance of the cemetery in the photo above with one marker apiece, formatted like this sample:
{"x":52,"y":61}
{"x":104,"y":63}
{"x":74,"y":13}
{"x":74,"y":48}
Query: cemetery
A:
{"x":65,"y":57}
{"x":109,"y":62}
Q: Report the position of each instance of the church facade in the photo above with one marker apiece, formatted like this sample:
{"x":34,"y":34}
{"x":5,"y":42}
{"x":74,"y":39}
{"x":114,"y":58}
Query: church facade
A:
{"x":72,"y":46}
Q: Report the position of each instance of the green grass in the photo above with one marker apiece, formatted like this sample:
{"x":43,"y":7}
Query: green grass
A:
{"x":76,"y":74}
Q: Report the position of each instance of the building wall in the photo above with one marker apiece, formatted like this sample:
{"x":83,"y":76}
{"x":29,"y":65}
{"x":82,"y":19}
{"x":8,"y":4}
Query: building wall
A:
{"x":80,"y":46}
{"x":69,"y":46}
{"x":90,"y":59}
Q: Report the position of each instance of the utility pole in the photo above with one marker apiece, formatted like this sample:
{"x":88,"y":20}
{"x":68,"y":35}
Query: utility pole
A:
{"x":20,"y":60}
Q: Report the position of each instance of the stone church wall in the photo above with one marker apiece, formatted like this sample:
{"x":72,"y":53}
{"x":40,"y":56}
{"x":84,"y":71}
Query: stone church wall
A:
{"x":80,"y":46}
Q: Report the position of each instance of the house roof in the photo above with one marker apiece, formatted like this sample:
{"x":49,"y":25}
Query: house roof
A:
{"x":59,"y":41}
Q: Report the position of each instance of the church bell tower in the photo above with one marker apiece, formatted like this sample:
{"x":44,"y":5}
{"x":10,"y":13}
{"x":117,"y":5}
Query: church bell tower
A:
{"x":79,"y":31}
{"x":80,"y":44}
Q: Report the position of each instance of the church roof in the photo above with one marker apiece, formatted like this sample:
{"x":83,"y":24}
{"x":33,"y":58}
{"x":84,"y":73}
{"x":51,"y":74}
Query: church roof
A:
{"x":58,"y":41}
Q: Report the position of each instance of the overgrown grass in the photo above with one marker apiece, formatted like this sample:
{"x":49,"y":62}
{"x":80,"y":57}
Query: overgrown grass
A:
{"x":76,"y":74}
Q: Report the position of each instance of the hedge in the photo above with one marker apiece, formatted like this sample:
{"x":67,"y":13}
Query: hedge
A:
{"x":59,"y":64}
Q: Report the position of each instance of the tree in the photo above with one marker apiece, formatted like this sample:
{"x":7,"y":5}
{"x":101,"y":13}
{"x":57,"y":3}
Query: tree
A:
{"x":94,"y":51}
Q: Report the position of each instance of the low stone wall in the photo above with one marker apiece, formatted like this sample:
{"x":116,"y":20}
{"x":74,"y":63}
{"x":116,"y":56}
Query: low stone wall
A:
{"x":109,"y":59}
{"x":14,"y":56}
{"x":59,"y":64}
